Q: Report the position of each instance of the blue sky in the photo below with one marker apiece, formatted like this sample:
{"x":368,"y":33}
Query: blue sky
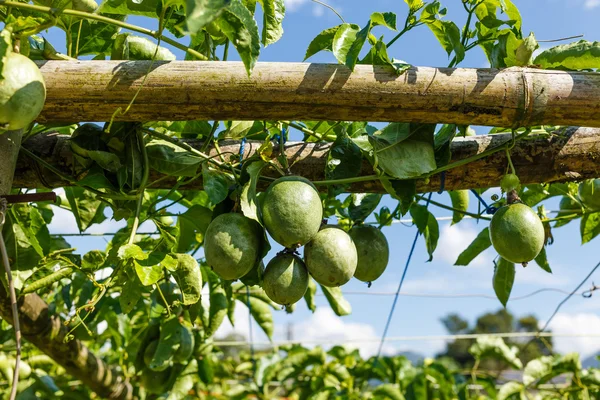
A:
{"x":548,"y":19}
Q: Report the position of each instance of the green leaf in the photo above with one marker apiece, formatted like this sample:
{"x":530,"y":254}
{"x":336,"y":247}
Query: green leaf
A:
{"x":171,"y":332}
{"x":427,"y":225}
{"x":402,"y":190}
{"x":387,"y":19}
{"x":131,"y":251}
{"x":388,"y":391}
{"x":94,"y":37}
{"x":261,"y":312}
{"x":404,"y":151}
{"x":448,"y":34}
{"x":189,"y":278}
{"x":589,"y":227}
{"x":200,"y":13}
{"x":323,"y":41}
{"x":344,"y":159}
{"x":460,"y":202}
{"x":248,"y":199}
{"x":86,"y":208}
{"x":511,"y":390}
{"x":192,"y":226}
{"x":92,"y":261}
{"x":442,"y":141}
{"x":542,"y":261}
{"x":537,"y":369}
{"x":238,"y":129}
{"x":378,"y":55}
{"x":477,"y":246}
{"x":168,"y":234}
{"x":343,"y":41}
{"x":218,"y":302}
{"x":495,"y":348}
{"x":273,"y":13}
{"x":338,"y":303}
{"x":310,"y":294}
{"x":130,"y":295}
{"x":184,"y":382}
{"x":362,"y":205}
{"x":504,"y":278}
{"x":146,"y":8}
{"x":169,"y":159}
{"x":216,"y":184}
{"x":148,"y":275}
{"x":574,"y":56}
{"x":237,"y":23}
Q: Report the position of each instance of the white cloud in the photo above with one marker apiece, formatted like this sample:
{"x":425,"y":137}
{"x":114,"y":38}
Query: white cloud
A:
{"x":325,"y":325}
{"x":318,"y":10}
{"x":576,"y":324}
{"x":293,"y":5}
{"x":591,"y":3}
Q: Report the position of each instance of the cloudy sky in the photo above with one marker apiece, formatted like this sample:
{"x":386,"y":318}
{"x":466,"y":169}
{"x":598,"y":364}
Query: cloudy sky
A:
{"x":418,"y":316}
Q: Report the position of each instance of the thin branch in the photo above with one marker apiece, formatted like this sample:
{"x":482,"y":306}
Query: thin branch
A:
{"x":331,"y":8}
{"x":13,"y":301}
{"x":561,"y":39}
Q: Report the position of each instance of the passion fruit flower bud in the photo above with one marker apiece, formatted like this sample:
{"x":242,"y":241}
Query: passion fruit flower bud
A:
{"x":510,"y":182}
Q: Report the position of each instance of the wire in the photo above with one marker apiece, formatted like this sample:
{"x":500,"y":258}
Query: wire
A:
{"x":467,"y":336}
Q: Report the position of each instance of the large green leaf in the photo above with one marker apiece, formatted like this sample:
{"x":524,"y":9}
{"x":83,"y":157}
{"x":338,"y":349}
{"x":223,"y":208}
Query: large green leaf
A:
{"x":575,"y":56}
{"x":200,"y":13}
{"x":504,"y":278}
{"x":542,"y":260}
{"x":310,"y":294}
{"x":188,"y":277}
{"x":460,"y":202}
{"x":343,"y":40}
{"x":338,"y":303}
{"x":427,"y":225}
{"x":192,"y":225}
{"x":323,"y":41}
{"x":146,"y":8}
{"x":86,"y":207}
{"x":237,"y":23}
{"x":218,"y":302}
{"x":93,"y":37}
{"x":216,"y":184}
{"x":248,"y":199}
{"x":511,"y":390}
{"x":477,"y":246}
{"x":261,"y":312}
{"x":273,"y":13}
{"x":589,"y":227}
{"x":170,"y":159}
{"x":362,"y":205}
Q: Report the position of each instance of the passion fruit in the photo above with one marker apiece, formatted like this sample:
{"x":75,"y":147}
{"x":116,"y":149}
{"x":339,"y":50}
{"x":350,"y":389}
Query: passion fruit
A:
{"x":292,"y":211}
{"x":156,"y":382}
{"x":286,"y":279}
{"x":517,"y":233}
{"x":22,"y":92}
{"x":231,"y":245}
{"x":589,"y":193}
{"x":331,"y":257}
{"x":372,"y":250}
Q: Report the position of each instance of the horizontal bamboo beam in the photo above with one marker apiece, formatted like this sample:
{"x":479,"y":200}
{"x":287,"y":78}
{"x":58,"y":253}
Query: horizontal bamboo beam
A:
{"x":197,"y":90}
{"x":569,"y":155}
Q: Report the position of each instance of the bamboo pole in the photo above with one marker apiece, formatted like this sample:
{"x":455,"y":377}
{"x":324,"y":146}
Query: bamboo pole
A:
{"x":186,"y":90}
{"x":566,"y":156}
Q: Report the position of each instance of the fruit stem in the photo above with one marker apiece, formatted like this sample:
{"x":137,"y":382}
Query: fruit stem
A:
{"x":82,"y":14}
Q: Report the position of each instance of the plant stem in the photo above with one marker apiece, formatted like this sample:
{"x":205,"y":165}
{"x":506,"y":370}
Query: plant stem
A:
{"x":302,"y":129}
{"x":402,"y":32}
{"x":142,"y":188}
{"x":347,"y":180}
{"x":183,"y":145}
{"x":445,"y":207}
{"x":107,"y":20}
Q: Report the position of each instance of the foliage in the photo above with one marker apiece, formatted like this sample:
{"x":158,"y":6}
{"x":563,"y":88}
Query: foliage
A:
{"x":142,"y":289}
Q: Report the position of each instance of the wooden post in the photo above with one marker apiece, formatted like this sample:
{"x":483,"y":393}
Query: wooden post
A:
{"x":198,"y":90}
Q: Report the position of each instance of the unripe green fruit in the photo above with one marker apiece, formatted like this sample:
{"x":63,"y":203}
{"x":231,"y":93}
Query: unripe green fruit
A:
{"x":186,"y":346}
{"x":331,"y":257}
{"x":589,"y":193}
{"x":510,"y":182}
{"x":286,"y":279}
{"x":231,"y":245}
{"x":517,"y":233}
{"x":156,"y":382}
{"x":22,"y":92}
{"x":372,"y":250}
{"x":149,"y":353}
{"x":292,"y":211}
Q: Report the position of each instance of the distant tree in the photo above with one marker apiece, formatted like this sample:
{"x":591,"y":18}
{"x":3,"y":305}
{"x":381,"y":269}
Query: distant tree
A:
{"x":502,"y":321}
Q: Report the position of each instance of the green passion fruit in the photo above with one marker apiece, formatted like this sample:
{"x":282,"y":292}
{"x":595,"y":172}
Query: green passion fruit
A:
{"x":517,"y":233}
{"x":22,"y":92}
{"x":331,"y":257}
{"x":372,"y":250}
{"x":286,"y":279}
{"x":231,"y":245}
{"x":589,"y":193}
{"x":156,"y":382}
{"x":292,"y":211}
